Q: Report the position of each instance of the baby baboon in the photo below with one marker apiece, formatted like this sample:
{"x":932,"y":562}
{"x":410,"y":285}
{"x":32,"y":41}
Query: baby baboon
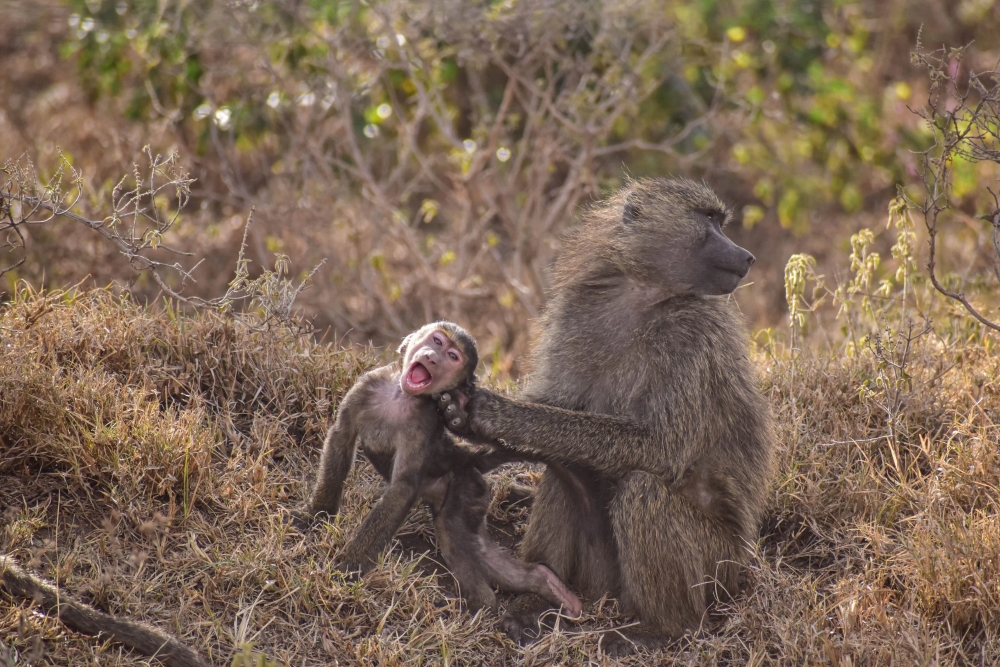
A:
{"x":84,"y":618}
{"x":645,"y":406}
{"x":391,"y":416}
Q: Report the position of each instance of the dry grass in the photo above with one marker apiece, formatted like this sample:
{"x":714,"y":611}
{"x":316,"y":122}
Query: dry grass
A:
{"x":146,"y":461}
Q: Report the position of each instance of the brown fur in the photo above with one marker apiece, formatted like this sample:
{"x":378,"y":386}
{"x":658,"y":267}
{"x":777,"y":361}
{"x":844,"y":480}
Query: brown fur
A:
{"x":404,"y":438}
{"x":646,"y":408}
{"x":84,"y":618}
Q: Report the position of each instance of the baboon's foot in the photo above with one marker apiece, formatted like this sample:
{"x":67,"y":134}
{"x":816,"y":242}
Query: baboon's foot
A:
{"x":620,"y":643}
{"x":521,"y":622}
{"x":558,"y":594}
{"x":300,"y":518}
{"x":481,"y":597}
{"x":303,"y":517}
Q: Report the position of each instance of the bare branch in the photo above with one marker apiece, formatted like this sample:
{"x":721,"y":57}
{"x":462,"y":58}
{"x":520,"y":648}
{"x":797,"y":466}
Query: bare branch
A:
{"x":964,"y":121}
{"x":136,"y":227}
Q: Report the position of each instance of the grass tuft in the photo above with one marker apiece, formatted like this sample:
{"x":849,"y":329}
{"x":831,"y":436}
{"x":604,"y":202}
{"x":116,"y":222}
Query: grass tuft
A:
{"x":147,"y":458}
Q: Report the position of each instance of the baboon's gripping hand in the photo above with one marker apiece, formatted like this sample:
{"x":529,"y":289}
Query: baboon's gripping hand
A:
{"x":473,"y":417}
{"x":452,"y":405}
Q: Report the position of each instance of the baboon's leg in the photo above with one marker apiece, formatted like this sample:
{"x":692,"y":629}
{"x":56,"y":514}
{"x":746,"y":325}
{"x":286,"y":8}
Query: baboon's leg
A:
{"x":568,"y":532}
{"x":334,"y":466}
{"x":513,"y":575}
{"x":457,"y":520}
{"x":381,"y":524}
{"x":695,"y":561}
{"x":462,"y":551}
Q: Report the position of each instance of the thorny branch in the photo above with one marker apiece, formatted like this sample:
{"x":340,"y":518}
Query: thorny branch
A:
{"x":435,"y":151}
{"x":139,"y":218}
{"x":965,"y":120}
{"x":142,"y":212}
{"x":457,"y":203}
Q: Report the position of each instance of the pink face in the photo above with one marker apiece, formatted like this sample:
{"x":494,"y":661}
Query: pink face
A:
{"x":433,"y":363}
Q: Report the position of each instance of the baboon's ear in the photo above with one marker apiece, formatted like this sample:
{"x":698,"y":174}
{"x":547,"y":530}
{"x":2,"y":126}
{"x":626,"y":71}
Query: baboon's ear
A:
{"x":402,"y":346}
{"x":631,"y":210}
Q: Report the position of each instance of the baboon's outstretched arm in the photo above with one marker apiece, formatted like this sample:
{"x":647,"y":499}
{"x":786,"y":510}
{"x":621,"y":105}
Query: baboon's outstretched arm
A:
{"x":607,"y":443}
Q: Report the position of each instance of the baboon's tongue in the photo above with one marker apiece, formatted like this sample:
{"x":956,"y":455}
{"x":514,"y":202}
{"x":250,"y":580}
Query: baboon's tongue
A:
{"x":419,"y":375}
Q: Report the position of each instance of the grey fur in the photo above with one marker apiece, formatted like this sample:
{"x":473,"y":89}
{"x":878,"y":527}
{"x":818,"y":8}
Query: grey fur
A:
{"x":405,"y":439}
{"x":645,"y":406}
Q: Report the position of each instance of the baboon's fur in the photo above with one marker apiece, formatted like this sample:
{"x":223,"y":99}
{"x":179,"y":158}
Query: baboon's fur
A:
{"x":84,"y":618}
{"x":405,"y":439}
{"x":645,"y":406}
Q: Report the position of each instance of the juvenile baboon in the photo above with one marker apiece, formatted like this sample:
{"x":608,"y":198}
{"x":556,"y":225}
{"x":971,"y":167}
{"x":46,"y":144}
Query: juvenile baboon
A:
{"x":84,"y":618}
{"x":391,"y":416}
{"x":645,"y":406}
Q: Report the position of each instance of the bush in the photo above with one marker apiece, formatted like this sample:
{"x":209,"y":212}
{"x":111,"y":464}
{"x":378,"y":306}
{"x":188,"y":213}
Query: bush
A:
{"x":148,"y":457}
{"x":489,"y":124}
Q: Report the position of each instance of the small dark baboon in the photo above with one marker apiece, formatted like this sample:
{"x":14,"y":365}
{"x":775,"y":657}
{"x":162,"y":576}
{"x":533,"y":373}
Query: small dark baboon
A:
{"x":391,"y":416}
{"x":84,"y":618}
{"x":646,"y":408}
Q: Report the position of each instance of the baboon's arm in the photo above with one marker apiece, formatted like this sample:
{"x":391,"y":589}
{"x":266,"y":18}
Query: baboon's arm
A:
{"x":84,"y":618}
{"x":607,"y":443}
{"x":387,"y":516}
{"x":339,"y":449}
{"x":334,"y":466}
{"x":380,"y":525}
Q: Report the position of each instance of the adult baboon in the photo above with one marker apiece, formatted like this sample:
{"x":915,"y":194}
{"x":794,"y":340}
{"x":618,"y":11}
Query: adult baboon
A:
{"x":646,"y":408}
{"x":84,"y":618}
{"x":390,"y":415}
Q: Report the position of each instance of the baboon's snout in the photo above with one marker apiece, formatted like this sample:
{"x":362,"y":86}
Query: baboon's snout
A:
{"x":427,"y":357}
{"x":740,"y":261}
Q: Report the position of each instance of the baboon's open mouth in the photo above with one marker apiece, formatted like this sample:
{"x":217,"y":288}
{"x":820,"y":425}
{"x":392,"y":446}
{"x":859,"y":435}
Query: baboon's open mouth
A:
{"x":418,"y":376}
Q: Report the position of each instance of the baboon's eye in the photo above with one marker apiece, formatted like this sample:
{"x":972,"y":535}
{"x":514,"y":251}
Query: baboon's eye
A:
{"x":437,"y":341}
{"x":452,"y":355}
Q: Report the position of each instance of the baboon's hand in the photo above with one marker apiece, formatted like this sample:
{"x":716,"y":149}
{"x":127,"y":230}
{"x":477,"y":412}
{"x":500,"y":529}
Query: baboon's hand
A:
{"x":522,"y":622}
{"x":452,"y":405}
{"x":474,"y":417}
{"x":300,"y":518}
{"x":353,"y":566}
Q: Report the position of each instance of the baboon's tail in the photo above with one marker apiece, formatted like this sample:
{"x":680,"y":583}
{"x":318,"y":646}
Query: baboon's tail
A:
{"x":84,"y":618}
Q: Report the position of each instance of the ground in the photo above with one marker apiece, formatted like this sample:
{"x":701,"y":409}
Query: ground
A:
{"x":148,"y":458}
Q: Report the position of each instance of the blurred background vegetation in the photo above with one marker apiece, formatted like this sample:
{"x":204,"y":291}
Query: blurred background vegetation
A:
{"x":432,"y":152}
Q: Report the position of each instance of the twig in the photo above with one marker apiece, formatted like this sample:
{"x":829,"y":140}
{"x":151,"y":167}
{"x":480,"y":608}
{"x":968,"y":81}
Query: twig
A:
{"x":961,"y":129}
